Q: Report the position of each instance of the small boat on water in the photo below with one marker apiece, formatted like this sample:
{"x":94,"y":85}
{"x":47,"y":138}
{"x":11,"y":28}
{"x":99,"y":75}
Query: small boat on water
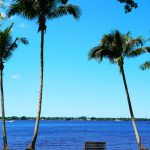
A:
{"x":117,"y":120}
{"x":8,"y":121}
{"x":11,"y":121}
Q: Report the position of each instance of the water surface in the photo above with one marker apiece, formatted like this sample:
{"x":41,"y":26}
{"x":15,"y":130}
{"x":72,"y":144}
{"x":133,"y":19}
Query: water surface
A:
{"x":71,"y":135}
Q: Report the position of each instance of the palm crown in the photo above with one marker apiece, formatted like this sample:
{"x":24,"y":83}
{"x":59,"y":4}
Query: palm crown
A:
{"x":43,"y":10}
{"x":7,"y":45}
{"x":116,"y":46}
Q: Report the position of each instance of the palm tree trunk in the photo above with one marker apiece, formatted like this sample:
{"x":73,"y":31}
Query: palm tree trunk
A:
{"x":5,"y":146}
{"x":130,"y":108}
{"x":32,"y":145}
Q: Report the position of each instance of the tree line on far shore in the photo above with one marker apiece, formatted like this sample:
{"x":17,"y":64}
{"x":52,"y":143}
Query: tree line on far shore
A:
{"x":82,"y":118}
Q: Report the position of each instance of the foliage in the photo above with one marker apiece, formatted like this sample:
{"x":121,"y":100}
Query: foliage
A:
{"x":145,"y":66}
{"x":43,"y":10}
{"x":139,"y":52}
{"x":129,"y":5}
{"x":75,"y":118}
{"x":7,"y":45}
{"x":116,"y":46}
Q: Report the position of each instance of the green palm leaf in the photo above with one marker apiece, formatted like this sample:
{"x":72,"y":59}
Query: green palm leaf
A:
{"x":7,"y":45}
{"x":137,"y":52}
{"x":25,"y":8}
{"x":145,"y":66}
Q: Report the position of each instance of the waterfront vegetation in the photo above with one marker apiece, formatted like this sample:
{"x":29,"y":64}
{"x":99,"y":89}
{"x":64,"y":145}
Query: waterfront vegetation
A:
{"x":82,"y":118}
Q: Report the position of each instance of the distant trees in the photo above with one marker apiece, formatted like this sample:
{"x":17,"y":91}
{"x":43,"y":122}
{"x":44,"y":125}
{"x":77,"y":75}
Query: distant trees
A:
{"x":83,"y":118}
{"x":23,"y":118}
{"x":74,"y":118}
{"x":116,"y":47}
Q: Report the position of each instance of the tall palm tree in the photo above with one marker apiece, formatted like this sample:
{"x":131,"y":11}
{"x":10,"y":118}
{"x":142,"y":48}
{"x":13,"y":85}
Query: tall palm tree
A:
{"x":116,"y":47}
{"x":7,"y":47}
{"x":42,"y":10}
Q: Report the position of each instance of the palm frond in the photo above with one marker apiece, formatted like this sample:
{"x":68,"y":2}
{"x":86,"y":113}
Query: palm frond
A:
{"x":145,"y":66}
{"x":99,"y":53}
{"x":7,"y":45}
{"x":25,"y":8}
{"x":93,"y":52}
{"x":64,"y":2}
{"x":5,"y":39}
{"x":64,"y":10}
{"x":73,"y":10}
{"x":136,"y":52}
{"x":132,"y":44}
{"x":118,"y":39}
{"x":23,"y":40}
{"x":128,"y":34}
{"x":138,"y":41}
{"x":8,"y":53}
{"x":148,"y":49}
{"x":107,"y":40}
{"x":52,"y":5}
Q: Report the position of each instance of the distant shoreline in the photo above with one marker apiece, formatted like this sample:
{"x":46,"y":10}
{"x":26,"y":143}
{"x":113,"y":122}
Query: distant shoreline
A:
{"x":83,"y":118}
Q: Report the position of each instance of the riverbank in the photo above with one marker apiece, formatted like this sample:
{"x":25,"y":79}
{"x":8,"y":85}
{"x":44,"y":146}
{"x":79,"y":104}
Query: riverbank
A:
{"x":82,"y":118}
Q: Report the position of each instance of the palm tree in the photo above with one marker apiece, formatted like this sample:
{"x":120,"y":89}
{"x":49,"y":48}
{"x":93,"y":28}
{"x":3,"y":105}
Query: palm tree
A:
{"x":116,"y":47}
{"x":7,"y":47}
{"x":42,"y":10}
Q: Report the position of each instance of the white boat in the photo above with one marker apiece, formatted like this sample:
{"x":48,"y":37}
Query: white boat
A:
{"x":11,"y":121}
{"x":117,"y":120}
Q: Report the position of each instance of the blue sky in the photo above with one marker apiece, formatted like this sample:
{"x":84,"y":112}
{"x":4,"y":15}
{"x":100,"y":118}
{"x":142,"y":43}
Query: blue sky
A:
{"x":73,"y":85}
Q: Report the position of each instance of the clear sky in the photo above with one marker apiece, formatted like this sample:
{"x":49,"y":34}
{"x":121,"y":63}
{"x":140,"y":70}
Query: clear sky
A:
{"x":73,"y":85}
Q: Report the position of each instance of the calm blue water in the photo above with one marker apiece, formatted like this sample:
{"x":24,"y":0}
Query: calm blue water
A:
{"x":71,"y":135}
